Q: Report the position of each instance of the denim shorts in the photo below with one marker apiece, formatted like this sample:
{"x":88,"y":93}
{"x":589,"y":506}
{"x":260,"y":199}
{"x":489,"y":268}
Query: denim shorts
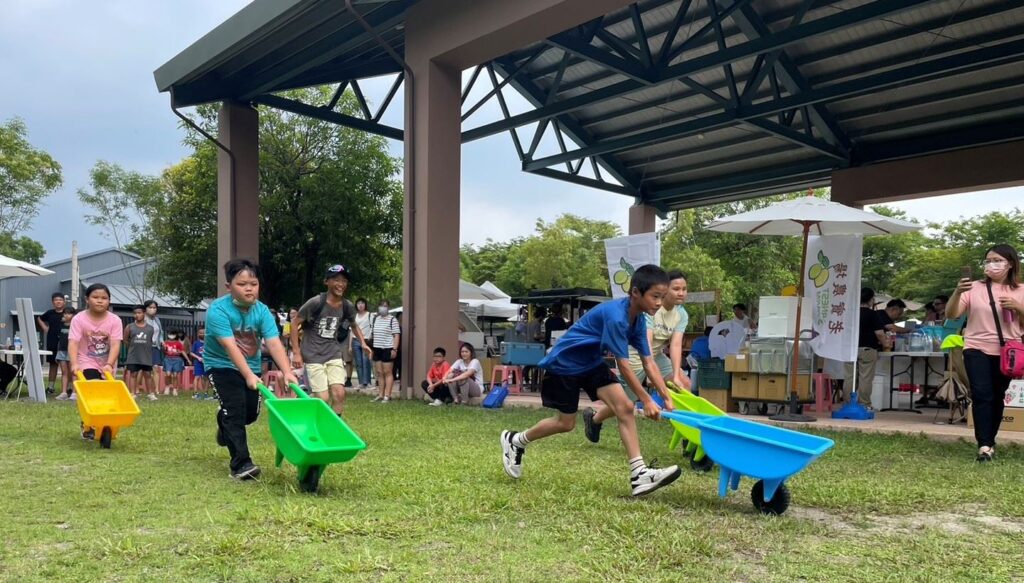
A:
{"x":174,"y":364}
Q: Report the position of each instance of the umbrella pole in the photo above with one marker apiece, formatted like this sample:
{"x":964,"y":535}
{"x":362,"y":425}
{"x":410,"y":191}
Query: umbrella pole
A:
{"x":794,"y":366}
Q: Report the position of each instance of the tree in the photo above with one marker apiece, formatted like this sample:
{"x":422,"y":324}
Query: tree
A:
{"x":27,"y":176}
{"x":568,"y":252}
{"x":495,"y":262}
{"x":886,"y":256}
{"x":22,"y":248}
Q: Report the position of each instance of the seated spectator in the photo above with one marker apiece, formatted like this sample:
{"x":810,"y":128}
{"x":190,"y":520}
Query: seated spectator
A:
{"x":892,"y":313}
{"x":434,"y":386}
{"x":466,"y":376}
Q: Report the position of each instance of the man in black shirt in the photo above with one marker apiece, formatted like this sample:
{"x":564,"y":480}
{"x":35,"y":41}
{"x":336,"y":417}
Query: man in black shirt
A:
{"x":870,"y":340}
{"x":50,"y":323}
{"x":888,"y":317}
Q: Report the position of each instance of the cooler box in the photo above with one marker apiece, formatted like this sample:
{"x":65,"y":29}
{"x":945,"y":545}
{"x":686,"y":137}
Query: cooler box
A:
{"x":521,"y":353}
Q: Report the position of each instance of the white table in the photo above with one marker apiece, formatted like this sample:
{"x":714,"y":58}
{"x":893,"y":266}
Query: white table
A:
{"x":19,"y":357}
{"x":911,"y":356}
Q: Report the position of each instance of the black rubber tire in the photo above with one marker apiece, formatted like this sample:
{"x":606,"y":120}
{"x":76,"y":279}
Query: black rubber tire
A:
{"x":744,"y":408}
{"x":776,"y":506}
{"x":704,"y":465}
{"x":312,"y":480}
{"x":762,"y":409}
{"x":105,"y":438}
{"x":800,"y":409}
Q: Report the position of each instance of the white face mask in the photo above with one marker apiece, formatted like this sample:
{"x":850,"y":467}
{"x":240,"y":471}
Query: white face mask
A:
{"x":382,"y":311}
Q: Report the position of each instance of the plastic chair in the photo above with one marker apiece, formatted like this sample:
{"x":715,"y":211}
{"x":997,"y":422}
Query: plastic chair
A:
{"x":822,"y":393}
{"x":502,"y":374}
{"x":275,"y":379}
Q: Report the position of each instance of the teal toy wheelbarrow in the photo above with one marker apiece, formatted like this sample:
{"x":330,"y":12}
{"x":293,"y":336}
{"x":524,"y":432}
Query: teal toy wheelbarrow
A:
{"x":309,"y":435}
{"x":766,"y":453}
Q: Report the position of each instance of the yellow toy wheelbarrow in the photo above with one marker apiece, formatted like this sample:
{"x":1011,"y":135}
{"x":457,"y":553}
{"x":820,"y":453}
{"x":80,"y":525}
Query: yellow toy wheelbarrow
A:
{"x":106,"y":407}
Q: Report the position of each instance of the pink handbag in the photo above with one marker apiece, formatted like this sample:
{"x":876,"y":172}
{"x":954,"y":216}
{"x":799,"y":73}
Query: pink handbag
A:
{"x":1011,"y":352}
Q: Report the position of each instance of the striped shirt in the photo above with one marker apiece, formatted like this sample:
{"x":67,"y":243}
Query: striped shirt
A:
{"x":384,"y":330}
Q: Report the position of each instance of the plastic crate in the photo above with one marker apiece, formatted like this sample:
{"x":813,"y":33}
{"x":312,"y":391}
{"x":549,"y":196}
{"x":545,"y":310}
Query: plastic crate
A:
{"x":522,"y":353}
{"x":711,"y":374}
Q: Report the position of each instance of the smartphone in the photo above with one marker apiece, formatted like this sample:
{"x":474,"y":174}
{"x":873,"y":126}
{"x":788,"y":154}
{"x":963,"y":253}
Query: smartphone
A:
{"x":966,"y":272}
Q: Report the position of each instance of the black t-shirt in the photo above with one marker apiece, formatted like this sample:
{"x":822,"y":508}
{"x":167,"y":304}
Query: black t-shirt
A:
{"x":869,"y":324}
{"x":553,"y":324}
{"x":883,"y":318}
{"x":54,"y":320}
{"x":62,"y":343}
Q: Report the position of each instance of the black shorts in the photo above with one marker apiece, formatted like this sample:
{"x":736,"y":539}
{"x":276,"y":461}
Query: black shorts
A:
{"x":383,"y":355}
{"x":138,"y":368}
{"x":562,"y":392}
{"x":52,"y":347}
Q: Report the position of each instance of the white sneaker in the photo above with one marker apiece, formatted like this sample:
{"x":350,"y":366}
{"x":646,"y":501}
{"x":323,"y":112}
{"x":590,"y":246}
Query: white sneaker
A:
{"x":73,"y":397}
{"x":511,"y":455}
{"x":152,"y":397}
{"x":62,"y":397}
{"x":650,"y":479}
{"x":386,"y":400}
{"x":436,"y":403}
{"x":377,"y":399}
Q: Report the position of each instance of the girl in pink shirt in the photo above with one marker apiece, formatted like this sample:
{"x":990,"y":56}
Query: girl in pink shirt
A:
{"x":94,"y":341}
{"x":981,"y":337}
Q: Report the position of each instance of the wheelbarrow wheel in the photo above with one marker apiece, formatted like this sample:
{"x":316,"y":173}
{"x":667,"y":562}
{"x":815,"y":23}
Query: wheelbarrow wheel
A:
{"x":312,"y":480}
{"x":105,"y":437}
{"x":776,"y":506}
{"x":762,"y":409}
{"x":704,"y":465}
{"x":744,"y":408}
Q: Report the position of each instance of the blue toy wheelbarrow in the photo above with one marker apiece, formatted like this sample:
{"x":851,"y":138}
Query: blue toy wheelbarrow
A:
{"x":766,"y":453}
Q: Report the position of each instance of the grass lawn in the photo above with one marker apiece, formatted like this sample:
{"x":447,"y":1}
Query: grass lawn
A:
{"x":428,"y":501}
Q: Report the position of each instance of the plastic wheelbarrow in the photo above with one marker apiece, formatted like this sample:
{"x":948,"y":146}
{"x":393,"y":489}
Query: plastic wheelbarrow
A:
{"x":105,"y":406}
{"x":309,"y":435}
{"x":766,"y":453}
{"x":686,"y":401}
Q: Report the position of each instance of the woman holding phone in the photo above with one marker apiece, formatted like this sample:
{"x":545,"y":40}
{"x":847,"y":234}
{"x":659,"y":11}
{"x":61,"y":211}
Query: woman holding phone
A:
{"x":995,"y":311}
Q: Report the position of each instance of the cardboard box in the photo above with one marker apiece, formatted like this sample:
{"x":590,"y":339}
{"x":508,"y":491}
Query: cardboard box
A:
{"x":744,"y":386}
{"x":721,"y":398}
{"x":773,"y":387}
{"x":737,"y":363}
{"x":1013,"y":419}
{"x":1015,"y":394}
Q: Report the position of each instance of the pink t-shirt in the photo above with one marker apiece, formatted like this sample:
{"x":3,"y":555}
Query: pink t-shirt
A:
{"x":95,"y":338}
{"x":980,"y":333}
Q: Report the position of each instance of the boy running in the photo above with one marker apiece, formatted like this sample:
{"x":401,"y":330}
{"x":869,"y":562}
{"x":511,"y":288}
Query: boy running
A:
{"x":577,"y":363}
{"x":237,"y":322}
{"x":326,"y":320}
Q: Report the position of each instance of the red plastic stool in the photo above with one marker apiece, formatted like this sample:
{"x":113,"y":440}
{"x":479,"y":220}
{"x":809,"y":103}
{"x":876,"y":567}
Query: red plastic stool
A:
{"x":274,"y":380}
{"x":505,"y":373}
{"x":822,"y":393}
{"x":186,"y":378}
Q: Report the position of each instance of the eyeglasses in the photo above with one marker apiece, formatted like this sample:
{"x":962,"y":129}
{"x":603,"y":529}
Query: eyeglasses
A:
{"x":993,"y":262}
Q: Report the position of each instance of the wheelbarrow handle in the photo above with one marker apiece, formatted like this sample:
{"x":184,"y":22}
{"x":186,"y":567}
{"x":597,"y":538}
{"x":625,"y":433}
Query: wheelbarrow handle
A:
{"x":267,"y":394}
{"x":298,"y":391}
{"x":695,"y":420}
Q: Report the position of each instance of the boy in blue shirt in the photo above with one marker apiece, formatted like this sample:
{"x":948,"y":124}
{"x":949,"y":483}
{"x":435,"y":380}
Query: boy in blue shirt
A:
{"x":577,"y":363}
{"x":237,"y":322}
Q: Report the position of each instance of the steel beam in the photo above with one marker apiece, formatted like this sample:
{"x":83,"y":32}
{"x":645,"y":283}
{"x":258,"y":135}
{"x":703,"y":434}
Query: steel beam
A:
{"x":297,"y":107}
{"x":802,"y":169}
{"x":584,"y":181}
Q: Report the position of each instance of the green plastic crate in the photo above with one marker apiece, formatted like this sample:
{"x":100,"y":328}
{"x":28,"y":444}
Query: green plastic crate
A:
{"x":711,"y":374}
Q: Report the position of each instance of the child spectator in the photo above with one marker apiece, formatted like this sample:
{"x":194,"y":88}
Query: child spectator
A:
{"x":466,"y":376}
{"x":238,"y":321}
{"x":434,"y":386}
{"x":174,"y":361}
{"x":62,"y":354}
{"x":139,"y":364}
{"x":50,"y":324}
{"x":576,"y":363}
{"x":94,"y":341}
{"x":200,"y":385}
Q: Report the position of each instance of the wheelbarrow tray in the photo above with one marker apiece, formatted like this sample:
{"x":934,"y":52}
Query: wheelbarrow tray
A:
{"x":105,"y":403}
{"x":686,"y":401}
{"x":308,"y":433}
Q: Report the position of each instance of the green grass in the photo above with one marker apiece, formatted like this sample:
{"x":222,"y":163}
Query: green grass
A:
{"x":428,"y":501}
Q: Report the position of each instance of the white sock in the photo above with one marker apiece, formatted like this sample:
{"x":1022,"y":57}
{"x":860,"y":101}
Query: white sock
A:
{"x":520,"y":439}
{"x":637,"y":465}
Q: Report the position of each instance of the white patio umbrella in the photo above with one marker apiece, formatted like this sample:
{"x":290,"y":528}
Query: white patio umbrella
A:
{"x":804,"y":216}
{"x":14,"y":268}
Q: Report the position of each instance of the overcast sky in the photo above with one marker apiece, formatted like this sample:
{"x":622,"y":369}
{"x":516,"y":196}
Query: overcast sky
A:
{"x":81,"y":75}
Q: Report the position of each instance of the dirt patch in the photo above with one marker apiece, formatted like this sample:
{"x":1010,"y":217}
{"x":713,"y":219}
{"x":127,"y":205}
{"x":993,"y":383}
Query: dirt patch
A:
{"x":969,"y":519}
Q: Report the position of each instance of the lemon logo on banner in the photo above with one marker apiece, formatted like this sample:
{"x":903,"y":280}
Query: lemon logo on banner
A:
{"x":819,"y":272}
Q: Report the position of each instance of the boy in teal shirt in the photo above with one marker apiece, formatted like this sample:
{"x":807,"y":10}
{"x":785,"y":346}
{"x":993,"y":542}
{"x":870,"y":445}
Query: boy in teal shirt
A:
{"x":237,"y":322}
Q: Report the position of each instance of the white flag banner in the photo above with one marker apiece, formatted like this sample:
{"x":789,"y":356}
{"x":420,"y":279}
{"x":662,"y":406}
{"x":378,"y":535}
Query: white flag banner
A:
{"x":626,"y":254}
{"x":832,"y":294}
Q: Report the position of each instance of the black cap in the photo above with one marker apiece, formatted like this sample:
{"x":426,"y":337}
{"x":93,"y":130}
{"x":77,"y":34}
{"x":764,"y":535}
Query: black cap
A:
{"x":337,"y":269}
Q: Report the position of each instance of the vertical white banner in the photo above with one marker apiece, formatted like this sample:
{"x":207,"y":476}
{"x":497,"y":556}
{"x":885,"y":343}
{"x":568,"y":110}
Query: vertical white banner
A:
{"x":625,"y":254}
{"x":832,"y":294}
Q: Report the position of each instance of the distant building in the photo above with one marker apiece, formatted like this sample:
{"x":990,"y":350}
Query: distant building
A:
{"x":122,"y":271}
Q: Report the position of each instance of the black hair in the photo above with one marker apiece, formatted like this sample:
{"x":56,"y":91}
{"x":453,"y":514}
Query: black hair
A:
{"x":740,"y":306}
{"x":646,"y":277}
{"x":1010,"y":254}
{"x":235,"y":266}
{"x":896,"y":303}
{"x":384,"y":302}
{"x":149,"y":303}
{"x":69,"y":311}
{"x":440,"y":350}
{"x":943,"y":297}
{"x":676,"y":274}
{"x":472,"y":350}
{"x":56,"y":295}
{"x":541,"y":312}
{"x":866,"y":294}
{"x":365,"y":303}
{"x":139,"y":307}
{"x":97,"y":287}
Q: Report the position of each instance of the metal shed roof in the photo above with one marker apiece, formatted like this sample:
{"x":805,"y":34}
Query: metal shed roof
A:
{"x":676,"y":102}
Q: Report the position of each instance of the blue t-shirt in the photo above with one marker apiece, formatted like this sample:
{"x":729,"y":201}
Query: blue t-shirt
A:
{"x":604,"y":329}
{"x":225,"y":320}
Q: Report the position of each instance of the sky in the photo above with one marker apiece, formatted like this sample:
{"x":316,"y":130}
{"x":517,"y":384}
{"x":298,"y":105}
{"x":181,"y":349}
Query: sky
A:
{"x":81,"y":76}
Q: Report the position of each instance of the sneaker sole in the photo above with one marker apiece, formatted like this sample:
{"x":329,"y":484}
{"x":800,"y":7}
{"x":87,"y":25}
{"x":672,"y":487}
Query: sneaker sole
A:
{"x":652,"y":487}
{"x":251,"y":475}
{"x":505,"y":446}
{"x":588,"y":426}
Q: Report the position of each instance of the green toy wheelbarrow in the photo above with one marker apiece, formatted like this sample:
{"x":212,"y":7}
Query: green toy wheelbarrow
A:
{"x":309,"y":435}
{"x":686,"y":401}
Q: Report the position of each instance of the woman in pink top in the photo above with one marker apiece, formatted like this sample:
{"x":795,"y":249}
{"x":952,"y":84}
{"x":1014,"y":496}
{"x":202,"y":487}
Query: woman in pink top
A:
{"x":94,"y":341}
{"x":981,"y":337}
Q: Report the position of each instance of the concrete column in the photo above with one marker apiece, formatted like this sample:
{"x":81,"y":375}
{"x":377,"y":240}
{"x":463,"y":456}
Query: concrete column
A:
{"x":642,"y":219}
{"x":238,"y":183}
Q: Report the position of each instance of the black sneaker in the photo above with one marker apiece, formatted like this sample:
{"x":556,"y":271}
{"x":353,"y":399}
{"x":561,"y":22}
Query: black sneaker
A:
{"x":590,"y":429}
{"x":348,"y":383}
{"x":651,"y":478}
{"x":249,"y":471}
{"x":511,"y":455}
{"x":220,"y":438}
